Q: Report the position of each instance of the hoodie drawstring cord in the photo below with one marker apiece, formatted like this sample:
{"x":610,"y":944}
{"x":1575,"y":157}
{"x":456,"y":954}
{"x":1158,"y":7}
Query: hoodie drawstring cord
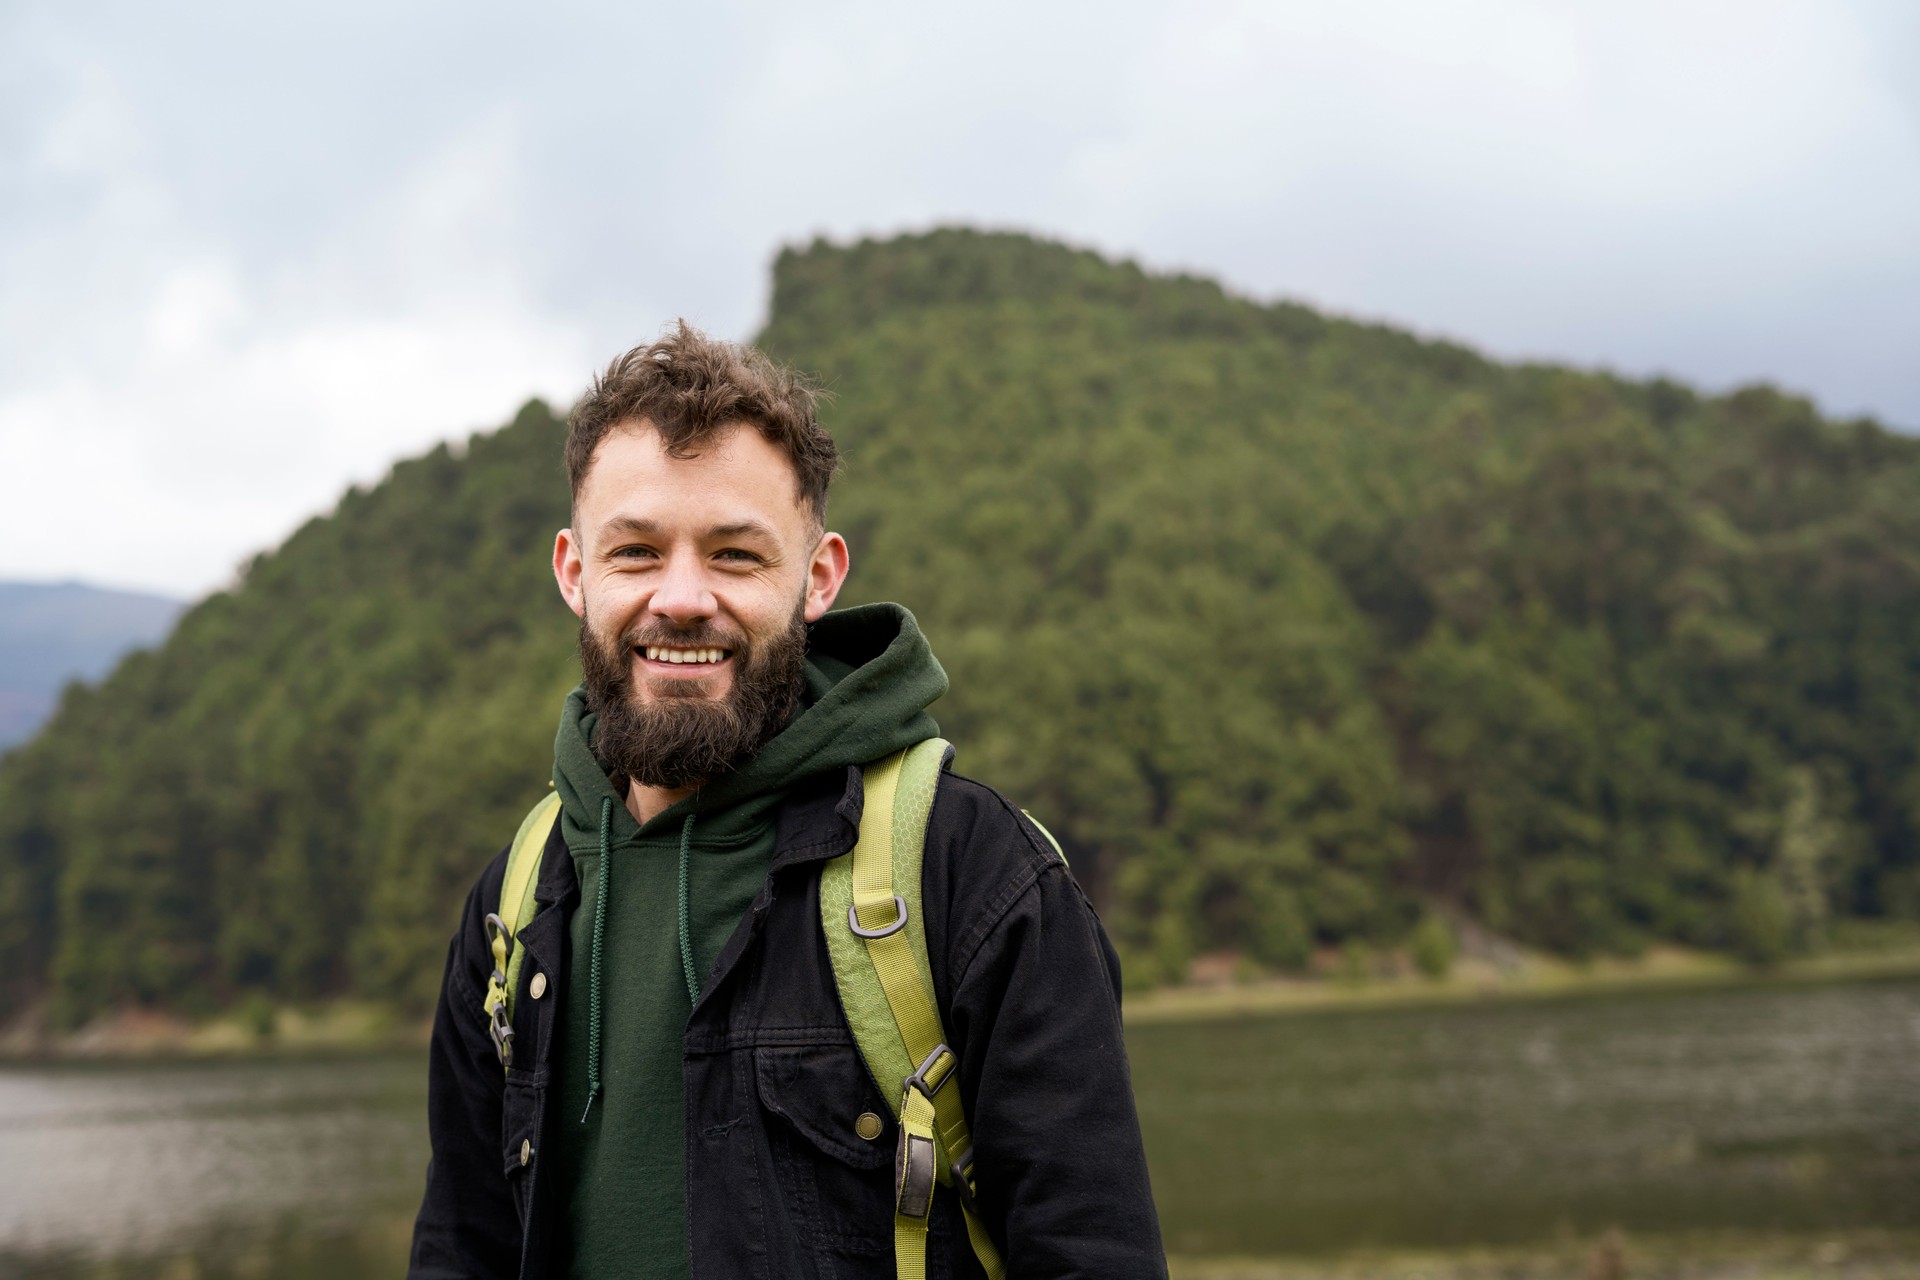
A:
{"x":686,"y":933}
{"x":593,"y":969}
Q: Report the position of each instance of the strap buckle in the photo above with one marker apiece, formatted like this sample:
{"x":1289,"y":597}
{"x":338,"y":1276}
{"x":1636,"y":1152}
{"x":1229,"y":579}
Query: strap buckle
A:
{"x":918,"y":1080}
{"x":898,"y":923}
{"x":962,"y":1170}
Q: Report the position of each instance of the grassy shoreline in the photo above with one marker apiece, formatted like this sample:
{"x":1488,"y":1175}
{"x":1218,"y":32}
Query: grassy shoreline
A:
{"x":354,"y":1026}
{"x":332,"y":1027}
{"x":379,"y":1247}
{"x":1534,"y":978}
{"x":1842,"y":1255}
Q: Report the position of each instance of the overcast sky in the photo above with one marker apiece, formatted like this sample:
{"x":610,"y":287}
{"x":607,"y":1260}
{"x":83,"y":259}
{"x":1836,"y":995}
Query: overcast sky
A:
{"x":252,"y":253}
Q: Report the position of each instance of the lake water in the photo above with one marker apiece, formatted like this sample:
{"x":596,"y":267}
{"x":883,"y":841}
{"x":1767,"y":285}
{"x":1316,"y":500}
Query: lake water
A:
{"x":1779,"y":1110}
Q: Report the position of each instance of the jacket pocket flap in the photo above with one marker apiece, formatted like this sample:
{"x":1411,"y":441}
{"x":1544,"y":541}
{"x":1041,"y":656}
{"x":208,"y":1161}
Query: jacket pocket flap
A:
{"x":519,"y":1125}
{"x":823,"y":1091}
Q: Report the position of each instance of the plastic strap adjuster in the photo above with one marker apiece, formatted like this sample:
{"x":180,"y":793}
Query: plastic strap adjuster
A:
{"x":919,"y":1079}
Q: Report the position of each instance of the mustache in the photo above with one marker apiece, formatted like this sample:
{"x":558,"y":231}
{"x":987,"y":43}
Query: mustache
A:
{"x":699,"y":635}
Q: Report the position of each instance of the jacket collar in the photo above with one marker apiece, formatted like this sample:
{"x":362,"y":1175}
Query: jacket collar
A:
{"x":819,"y":820}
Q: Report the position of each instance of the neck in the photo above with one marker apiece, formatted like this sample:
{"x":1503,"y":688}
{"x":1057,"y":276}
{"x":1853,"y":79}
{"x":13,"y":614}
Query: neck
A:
{"x":648,"y":803}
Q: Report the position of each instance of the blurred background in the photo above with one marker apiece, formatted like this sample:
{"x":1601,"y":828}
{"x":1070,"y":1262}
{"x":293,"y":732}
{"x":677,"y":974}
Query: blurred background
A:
{"x":1424,"y":500}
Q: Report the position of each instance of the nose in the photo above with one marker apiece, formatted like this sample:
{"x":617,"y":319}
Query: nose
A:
{"x":681,"y":593}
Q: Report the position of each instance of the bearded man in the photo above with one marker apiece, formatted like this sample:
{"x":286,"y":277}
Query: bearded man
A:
{"x":684,"y":1097}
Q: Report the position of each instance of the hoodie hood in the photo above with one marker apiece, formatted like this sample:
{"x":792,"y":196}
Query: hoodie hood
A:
{"x":870,"y":676}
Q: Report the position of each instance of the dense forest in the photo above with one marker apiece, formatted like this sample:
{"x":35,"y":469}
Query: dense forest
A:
{"x":1297,"y":631}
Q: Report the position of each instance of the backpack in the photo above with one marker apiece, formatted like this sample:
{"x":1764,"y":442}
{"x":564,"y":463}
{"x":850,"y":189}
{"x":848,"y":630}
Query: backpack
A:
{"x":870,"y":911}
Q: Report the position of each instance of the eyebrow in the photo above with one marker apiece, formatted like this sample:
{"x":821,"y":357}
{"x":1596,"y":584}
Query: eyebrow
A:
{"x":635,"y":527}
{"x":744,"y":529}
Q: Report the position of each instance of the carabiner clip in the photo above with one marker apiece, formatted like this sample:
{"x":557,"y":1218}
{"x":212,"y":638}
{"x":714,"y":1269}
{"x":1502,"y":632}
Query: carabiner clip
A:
{"x":500,"y":1029}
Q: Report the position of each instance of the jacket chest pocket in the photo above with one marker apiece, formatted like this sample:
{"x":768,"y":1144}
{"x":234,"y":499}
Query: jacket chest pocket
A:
{"x":832,"y":1142}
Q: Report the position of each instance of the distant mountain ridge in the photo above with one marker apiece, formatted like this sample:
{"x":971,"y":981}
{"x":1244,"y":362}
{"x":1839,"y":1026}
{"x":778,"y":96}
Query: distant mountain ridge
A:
{"x":54,"y":632}
{"x":1304,"y":636}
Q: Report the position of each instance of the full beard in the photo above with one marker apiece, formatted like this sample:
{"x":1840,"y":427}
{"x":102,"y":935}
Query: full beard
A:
{"x":680,"y":737}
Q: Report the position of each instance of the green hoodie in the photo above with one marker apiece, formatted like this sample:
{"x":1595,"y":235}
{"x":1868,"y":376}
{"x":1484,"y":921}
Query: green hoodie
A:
{"x":679,"y":886}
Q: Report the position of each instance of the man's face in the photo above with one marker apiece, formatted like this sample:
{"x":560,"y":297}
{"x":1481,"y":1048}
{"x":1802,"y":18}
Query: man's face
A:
{"x":694,"y":579}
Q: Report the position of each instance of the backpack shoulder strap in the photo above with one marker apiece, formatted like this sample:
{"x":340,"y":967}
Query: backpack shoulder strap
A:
{"x":503,"y":924}
{"x":876,"y":938}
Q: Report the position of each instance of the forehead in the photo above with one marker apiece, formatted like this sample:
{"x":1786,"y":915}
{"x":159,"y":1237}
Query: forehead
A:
{"x":734,"y":474}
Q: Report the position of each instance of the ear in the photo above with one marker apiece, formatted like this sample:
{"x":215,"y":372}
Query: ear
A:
{"x":825,"y":574}
{"x":567,"y":570}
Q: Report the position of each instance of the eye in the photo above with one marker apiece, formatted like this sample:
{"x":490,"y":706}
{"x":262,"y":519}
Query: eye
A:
{"x":633,"y":553}
{"x":736,"y":555}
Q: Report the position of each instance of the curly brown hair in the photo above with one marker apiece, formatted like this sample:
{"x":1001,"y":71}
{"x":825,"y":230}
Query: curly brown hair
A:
{"x":689,"y":388}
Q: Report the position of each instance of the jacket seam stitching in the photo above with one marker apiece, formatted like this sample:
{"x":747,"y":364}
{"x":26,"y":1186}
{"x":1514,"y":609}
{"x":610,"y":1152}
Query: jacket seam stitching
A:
{"x":1040,"y":862}
{"x":992,"y":918}
{"x":468,"y":992}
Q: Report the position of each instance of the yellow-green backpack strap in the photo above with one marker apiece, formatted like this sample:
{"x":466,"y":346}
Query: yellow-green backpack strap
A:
{"x":876,"y":938}
{"x":1037,"y":826}
{"x":503,"y":924}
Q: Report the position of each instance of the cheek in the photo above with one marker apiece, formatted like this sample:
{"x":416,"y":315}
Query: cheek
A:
{"x":775,"y":608}
{"x":611,"y":600}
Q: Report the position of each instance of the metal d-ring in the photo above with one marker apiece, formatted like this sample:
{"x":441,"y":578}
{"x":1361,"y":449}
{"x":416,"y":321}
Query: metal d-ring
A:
{"x":898,"y":923}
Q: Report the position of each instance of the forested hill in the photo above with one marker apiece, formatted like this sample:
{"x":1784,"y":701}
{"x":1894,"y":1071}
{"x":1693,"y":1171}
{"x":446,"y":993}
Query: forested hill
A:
{"x":1293,"y":629}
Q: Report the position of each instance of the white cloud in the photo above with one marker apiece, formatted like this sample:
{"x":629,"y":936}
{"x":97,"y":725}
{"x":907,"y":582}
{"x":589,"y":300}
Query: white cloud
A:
{"x":222,"y":405}
{"x":172,"y":473}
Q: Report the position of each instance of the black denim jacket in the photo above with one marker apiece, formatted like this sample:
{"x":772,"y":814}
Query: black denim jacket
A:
{"x":778,"y":1182}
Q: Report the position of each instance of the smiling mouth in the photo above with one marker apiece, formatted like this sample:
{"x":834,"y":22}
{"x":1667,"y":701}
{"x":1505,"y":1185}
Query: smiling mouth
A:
{"x":672,"y":655}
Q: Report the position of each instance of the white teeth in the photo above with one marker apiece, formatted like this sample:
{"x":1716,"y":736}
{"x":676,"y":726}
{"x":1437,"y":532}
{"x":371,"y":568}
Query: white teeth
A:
{"x":658,"y":654}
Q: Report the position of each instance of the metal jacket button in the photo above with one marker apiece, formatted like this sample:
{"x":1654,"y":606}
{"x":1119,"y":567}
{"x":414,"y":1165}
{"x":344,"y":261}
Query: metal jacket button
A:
{"x":526,"y":1151}
{"x":867,"y":1126}
{"x":538,"y":987}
